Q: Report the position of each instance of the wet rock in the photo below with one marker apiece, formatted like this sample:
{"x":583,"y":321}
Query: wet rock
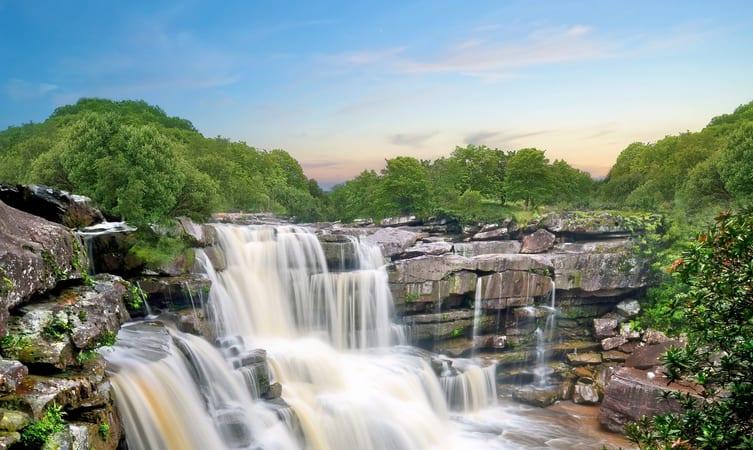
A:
{"x":275,"y":391}
{"x":400,"y":221}
{"x":73,"y":211}
{"x":454,"y":285}
{"x":538,"y":242}
{"x":628,"y":308}
{"x":612,"y":343}
{"x":35,"y":255}
{"x":537,"y":396}
{"x":428,"y":268}
{"x":649,"y":356}
{"x":514,"y":284}
{"x":11,"y":374}
{"x":580,"y":359}
{"x":8,"y":439}
{"x":586,"y":392}
{"x":193,"y":321}
{"x":426,"y":248}
{"x":490,"y":342}
{"x":421,"y":331}
{"x":614,"y":356}
{"x":197,"y":234}
{"x":109,"y":245}
{"x":216,"y":257}
{"x":632,"y":393}
{"x":174,"y":293}
{"x":475,"y":248}
{"x":392,"y":241}
{"x":51,"y":331}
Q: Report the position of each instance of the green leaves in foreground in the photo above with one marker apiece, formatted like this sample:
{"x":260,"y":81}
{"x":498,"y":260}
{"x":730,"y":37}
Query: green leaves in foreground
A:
{"x":717,"y":305}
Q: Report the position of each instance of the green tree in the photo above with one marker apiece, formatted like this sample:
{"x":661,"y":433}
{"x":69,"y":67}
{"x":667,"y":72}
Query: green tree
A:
{"x":718,"y":319}
{"x":527,"y":177}
{"x":736,"y":164}
{"x":404,"y":188}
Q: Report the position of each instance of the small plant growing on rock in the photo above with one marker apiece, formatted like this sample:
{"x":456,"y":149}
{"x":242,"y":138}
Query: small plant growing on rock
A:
{"x":136,"y":297}
{"x":104,"y":431}
{"x":36,"y":434}
{"x":57,"y":328}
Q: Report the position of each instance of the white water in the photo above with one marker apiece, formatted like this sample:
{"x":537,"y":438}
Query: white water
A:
{"x":332,"y":345}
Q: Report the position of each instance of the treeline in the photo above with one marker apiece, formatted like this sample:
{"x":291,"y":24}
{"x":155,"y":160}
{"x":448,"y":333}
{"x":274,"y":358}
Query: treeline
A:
{"x":692,"y":174}
{"x":138,"y":163}
{"x":473,"y":183}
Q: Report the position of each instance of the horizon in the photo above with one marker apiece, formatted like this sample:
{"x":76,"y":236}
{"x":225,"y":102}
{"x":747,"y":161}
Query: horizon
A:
{"x":343,"y":90}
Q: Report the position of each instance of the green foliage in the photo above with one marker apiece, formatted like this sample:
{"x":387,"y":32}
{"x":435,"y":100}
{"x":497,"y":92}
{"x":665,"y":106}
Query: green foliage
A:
{"x":527,"y":177}
{"x":104,"y":431}
{"x":58,"y":328}
{"x":155,"y":249}
{"x":694,"y":173}
{"x":139,"y":163}
{"x":715,"y":303}
{"x":135,"y":298}
{"x":6,"y":284}
{"x":404,"y":187}
{"x":36,"y":434}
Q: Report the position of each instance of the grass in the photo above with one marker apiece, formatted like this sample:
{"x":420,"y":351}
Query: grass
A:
{"x":37,"y":433}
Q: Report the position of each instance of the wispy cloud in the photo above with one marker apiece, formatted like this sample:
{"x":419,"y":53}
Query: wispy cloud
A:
{"x":322,"y":164}
{"x":23,"y":90}
{"x":412,"y":139}
{"x":483,"y":54}
{"x":500,"y":137}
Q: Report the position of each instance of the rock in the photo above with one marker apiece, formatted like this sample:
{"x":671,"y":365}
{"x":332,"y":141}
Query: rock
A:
{"x":216,"y":257}
{"x":612,"y":343}
{"x":628,"y":347}
{"x":12,"y":374}
{"x":605,"y":328}
{"x":475,"y":248}
{"x":275,"y":391}
{"x":537,"y":396}
{"x":492,"y":235}
{"x":632,"y":393}
{"x":11,"y":420}
{"x":420,"y":331}
{"x":654,"y":337}
{"x":53,"y":330}
{"x":400,"y":221}
{"x":73,"y":211}
{"x":649,"y":356}
{"x":174,"y":293}
{"x":428,"y":268}
{"x":426,"y":248}
{"x":490,"y":342}
{"x":514,"y":284}
{"x":198,"y":235}
{"x":501,"y":263}
{"x":392,"y":241}
{"x":580,"y":359}
{"x":585,"y":392}
{"x":8,"y":439}
{"x":193,"y":321}
{"x":629,"y":308}
{"x":597,"y":224}
{"x":108,"y":245}
{"x":614,"y":356}
{"x":538,"y":242}
{"x":35,"y":255}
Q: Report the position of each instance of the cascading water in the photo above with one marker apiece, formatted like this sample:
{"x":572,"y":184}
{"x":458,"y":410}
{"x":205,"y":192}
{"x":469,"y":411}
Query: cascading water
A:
{"x":544,"y":337}
{"x":333,"y":346}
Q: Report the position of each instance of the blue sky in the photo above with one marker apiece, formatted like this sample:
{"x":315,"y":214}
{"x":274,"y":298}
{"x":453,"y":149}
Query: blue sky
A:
{"x":344,"y":85}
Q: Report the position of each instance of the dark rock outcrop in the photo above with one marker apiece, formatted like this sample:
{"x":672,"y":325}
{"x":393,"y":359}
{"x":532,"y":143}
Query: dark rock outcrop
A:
{"x":537,"y":242}
{"x":58,"y":206}
{"x":35,"y":255}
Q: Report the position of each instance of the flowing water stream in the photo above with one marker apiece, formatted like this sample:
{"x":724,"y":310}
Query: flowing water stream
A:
{"x":349,"y":378}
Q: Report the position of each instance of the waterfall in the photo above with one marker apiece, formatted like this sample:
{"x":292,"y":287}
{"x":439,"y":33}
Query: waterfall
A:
{"x":544,"y":337}
{"x":347,"y":381}
{"x":478,"y":296}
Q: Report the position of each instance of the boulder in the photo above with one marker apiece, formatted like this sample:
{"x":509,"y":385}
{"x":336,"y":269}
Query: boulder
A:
{"x":53,"y":330}
{"x":174,"y":293}
{"x":108,"y":245}
{"x":475,"y":248}
{"x":198,"y":235}
{"x":537,"y":242}
{"x":537,"y":396}
{"x":586,"y":392}
{"x":612,"y":343}
{"x":12,"y":374}
{"x":628,"y":308}
{"x":649,"y":356}
{"x":632,"y":393}
{"x":11,"y":420}
{"x":35,"y":254}
{"x":73,"y":211}
{"x":490,"y":342}
{"x":605,"y":328}
{"x":392,"y":241}
{"x":654,"y":337}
